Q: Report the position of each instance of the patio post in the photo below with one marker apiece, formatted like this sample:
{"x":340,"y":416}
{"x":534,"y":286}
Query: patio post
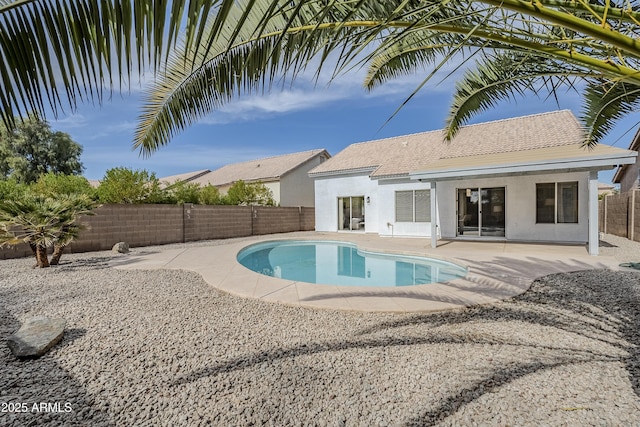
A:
{"x":434,"y":216}
{"x":593,"y":213}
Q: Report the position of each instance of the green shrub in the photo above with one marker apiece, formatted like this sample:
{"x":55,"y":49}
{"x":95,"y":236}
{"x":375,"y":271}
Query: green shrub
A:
{"x":123,"y":185}
{"x":241,"y":193}
{"x":53,"y":184}
{"x":10,"y":189}
{"x":183,"y":192}
{"x":210,"y":195}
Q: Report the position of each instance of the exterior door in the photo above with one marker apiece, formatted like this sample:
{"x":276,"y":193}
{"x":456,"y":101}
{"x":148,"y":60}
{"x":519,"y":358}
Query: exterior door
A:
{"x":481,"y":212}
{"x":351,"y":213}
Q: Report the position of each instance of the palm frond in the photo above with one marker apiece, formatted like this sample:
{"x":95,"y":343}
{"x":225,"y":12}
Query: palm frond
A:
{"x":505,"y":76}
{"x":57,"y":54}
{"x":239,"y":62}
{"x":605,"y":104}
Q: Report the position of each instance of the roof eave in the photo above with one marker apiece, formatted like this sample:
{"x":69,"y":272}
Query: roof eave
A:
{"x":308,"y":159}
{"x":367,"y":170}
{"x":600,"y":163}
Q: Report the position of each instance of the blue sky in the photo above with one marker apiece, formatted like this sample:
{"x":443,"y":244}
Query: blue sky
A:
{"x":297,"y":118}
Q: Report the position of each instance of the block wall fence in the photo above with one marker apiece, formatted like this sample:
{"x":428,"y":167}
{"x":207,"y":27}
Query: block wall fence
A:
{"x":619,"y":214}
{"x":147,"y":225}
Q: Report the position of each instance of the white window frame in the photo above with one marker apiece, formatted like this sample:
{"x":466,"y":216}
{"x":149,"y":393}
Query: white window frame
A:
{"x":556,"y":199}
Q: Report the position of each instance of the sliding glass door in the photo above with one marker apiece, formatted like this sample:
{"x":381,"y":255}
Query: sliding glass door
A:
{"x":351,"y":213}
{"x":481,"y":211}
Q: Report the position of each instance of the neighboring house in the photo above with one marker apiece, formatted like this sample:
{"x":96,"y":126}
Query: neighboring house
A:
{"x":628,"y":176}
{"x":286,"y":176}
{"x":526,"y":179}
{"x":183,"y":177}
{"x":605,"y":189}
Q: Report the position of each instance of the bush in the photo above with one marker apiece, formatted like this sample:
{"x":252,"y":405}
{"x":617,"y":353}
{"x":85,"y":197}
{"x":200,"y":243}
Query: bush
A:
{"x":241,"y":193}
{"x":210,"y":195}
{"x":53,"y":184}
{"x":183,"y":192}
{"x":123,"y":185}
{"x":10,"y":189}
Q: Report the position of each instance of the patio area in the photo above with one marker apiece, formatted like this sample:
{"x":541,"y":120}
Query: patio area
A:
{"x":498,"y":270}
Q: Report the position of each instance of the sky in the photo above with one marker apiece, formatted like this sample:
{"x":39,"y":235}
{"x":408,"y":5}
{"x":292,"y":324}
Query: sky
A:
{"x":299,"y":117}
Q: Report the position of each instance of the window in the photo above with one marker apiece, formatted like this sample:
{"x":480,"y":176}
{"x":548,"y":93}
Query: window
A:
{"x":557,"y":203}
{"x":413,"y":206}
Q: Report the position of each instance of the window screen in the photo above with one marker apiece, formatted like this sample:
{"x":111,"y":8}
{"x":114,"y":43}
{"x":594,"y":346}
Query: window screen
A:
{"x":545,"y":203}
{"x":404,"y":206}
{"x":557,"y":203}
{"x":413,"y":206}
{"x":423,"y":205}
{"x":567,"y":202}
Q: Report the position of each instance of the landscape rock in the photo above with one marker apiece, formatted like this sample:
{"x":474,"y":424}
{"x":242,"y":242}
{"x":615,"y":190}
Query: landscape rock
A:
{"x":121,"y":248}
{"x":36,"y":336}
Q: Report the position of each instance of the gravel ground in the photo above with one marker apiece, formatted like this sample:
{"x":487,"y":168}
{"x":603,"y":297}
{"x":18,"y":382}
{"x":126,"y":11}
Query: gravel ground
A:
{"x":163,"y":348}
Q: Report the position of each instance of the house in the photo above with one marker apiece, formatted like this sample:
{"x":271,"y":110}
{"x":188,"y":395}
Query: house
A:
{"x":523,"y":179}
{"x":286,"y":176}
{"x":628,"y":176}
{"x":183,"y":177}
{"x":605,"y":189}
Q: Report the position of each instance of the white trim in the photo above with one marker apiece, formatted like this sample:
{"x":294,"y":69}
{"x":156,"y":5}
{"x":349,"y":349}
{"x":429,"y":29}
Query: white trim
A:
{"x":367,"y":169}
{"x":593,"y":213}
{"x":434,"y":215}
{"x":602,"y":162}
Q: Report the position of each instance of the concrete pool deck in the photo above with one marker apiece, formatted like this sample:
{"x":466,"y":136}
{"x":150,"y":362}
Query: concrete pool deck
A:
{"x":497,"y":270}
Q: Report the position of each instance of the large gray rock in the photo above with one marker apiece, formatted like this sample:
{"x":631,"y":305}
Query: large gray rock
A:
{"x":36,"y":336}
{"x":121,"y":247}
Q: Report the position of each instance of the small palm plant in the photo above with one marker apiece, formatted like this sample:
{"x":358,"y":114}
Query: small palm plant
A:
{"x":43,"y":222}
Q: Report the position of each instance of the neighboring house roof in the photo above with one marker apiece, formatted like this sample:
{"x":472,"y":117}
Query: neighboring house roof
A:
{"x":622,"y":169}
{"x":398,"y":156}
{"x":186,"y":177}
{"x":95,"y":183}
{"x":604,"y":188}
{"x":267,"y":169}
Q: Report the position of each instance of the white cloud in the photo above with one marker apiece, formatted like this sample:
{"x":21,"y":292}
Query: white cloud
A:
{"x":304,"y":94}
{"x":261,"y":106}
{"x":72,"y":121}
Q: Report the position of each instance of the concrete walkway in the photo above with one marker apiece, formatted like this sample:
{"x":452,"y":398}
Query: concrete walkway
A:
{"x":497,"y":270}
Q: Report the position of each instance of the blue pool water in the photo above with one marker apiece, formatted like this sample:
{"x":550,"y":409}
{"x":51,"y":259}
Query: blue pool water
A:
{"x":339,"y":263}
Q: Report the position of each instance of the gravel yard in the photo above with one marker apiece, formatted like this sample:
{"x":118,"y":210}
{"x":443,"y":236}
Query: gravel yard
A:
{"x":164,"y":348}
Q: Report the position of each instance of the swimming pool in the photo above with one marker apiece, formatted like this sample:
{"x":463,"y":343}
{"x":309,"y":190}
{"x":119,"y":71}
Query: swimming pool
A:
{"x":340,"y":263}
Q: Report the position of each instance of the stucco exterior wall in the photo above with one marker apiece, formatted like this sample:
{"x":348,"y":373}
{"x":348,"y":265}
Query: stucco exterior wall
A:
{"x":629,"y":180}
{"x":327,"y":192}
{"x":387,"y":216}
{"x":275,"y":187}
{"x":297,"y":186}
{"x":520,"y":207}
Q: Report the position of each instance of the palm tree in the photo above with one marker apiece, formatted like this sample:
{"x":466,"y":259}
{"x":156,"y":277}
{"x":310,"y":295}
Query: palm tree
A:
{"x":43,"y":222}
{"x":70,"y":208}
{"x":56,"y":54}
{"x":520,"y":46}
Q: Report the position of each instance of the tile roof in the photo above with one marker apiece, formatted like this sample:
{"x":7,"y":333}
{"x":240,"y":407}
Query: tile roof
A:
{"x":397,"y":156}
{"x":187,"y":177}
{"x":267,"y":169}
